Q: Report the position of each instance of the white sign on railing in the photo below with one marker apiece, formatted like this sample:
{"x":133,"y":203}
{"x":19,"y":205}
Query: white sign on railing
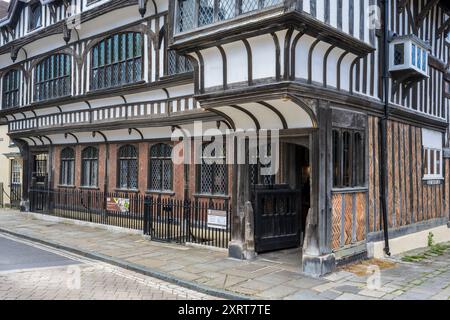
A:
{"x":217,"y":219}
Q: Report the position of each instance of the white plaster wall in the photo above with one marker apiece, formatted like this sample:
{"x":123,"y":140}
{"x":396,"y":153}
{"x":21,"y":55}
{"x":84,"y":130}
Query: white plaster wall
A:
{"x":345,"y":71}
{"x":317,"y":61}
{"x":237,"y":62}
{"x":332,"y":67}
{"x":409,"y":242}
{"x":301,"y":56}
{"x":213,"y":65}
{"x":263,"y":50}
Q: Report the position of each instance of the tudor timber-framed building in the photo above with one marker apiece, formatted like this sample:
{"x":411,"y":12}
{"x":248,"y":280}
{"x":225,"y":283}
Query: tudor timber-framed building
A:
{"x":94,"y":107}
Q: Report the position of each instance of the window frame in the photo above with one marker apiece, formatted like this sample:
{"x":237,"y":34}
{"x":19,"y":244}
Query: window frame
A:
{"x":161,"y":159}
{"x":92,"y":162}
{"x":199,"y":183}
{"x":356,"y":161}
{"x":128,"y":160}
{"x":48,"y":73}
{"x":107,"y":60}
{"x":11,"y":92}
{"x":67,"y":167}
{"x":432,"y":163}
{"x":16,"y":172}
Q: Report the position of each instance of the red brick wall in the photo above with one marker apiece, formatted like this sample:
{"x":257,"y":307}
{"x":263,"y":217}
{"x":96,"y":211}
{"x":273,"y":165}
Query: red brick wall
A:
{"x":143,"y":153}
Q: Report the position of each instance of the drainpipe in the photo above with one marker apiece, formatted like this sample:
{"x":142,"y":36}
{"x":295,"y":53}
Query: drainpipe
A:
{"x":383,"y":165}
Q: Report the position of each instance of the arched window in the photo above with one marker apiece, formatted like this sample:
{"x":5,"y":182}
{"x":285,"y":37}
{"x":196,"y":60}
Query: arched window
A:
{"x":89,"y":167}
{"x":116,"y":61}
{"x":52,"y":77}
{"x":67,"y":177}
{"x":35,"y":16}
{"x":213,"y":174}
{"x":161,"y":167}
{"x":11,"y":85}
{"x":128,"y":167}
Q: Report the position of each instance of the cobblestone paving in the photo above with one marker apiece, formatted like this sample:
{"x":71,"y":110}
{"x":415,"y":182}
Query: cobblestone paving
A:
{"x":86,"y":280}
{"x":270,"y":276}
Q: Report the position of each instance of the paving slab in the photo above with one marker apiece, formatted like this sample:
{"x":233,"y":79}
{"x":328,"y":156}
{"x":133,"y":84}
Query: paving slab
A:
{"x":271,"y":276}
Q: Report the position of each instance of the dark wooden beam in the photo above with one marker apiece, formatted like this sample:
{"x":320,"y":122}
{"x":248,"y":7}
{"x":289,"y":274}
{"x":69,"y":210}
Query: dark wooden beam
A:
{"x":444,"y":28}
{"x":424,"y":12}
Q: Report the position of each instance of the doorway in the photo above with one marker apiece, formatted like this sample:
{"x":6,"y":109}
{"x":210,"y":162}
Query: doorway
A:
{"x":281,"y":202}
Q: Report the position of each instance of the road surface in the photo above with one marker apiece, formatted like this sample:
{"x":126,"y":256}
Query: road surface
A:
{"x":33,"y":271}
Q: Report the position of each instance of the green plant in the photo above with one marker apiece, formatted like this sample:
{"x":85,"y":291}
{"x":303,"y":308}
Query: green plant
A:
{"x":430,"y":239}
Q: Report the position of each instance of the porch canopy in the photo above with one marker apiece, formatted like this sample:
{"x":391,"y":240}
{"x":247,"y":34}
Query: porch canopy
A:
{"x":276,"y":114}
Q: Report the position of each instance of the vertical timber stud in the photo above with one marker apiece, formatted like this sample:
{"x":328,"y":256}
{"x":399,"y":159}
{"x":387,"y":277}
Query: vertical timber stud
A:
{"x":241,"y":194}
{"x":26,"y":173}
{"x":318,"y":259}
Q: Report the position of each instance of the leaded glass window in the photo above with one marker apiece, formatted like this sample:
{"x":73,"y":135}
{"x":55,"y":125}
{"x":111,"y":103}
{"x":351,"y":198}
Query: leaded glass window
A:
{"x":117,"y":61}
{"x":89,"y":159}
{"x":161,"y":167}
{"x":177,"y":64}
{"x":52,"y":77}
{"x":67,"y":177}
{"x":197,"y":13}
{"x":128,"y":167}
{"x":11,"y":89}
{"x":213,"y":173}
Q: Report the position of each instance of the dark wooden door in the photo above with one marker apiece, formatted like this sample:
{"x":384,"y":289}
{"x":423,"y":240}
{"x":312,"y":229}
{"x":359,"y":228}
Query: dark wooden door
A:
{"x":277,"y":220}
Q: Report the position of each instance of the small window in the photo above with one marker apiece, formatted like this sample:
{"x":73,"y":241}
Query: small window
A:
{"x":177,"y":64}
{"x":348,"y":158}
{"x":128,"y":167}
{"x":89,"y":158}
{"x":16,"y":172}
{"x":67,"y":177}
{"x":432,"y":163}
{"x":161,"y":167}
{"x":11,"y":84}
{"x":213,"y":173}
{"x":35,"y":16}
{"x":413,"y":54}
{"x":432,"y":154}
{"x":399,"y":54}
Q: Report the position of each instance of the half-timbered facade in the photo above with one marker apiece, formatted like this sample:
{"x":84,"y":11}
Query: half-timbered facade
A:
{"x":357,"y":91}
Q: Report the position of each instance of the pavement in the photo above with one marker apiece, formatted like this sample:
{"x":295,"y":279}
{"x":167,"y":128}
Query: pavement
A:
{"x":212,"y":273}
{"x":30,"y":271}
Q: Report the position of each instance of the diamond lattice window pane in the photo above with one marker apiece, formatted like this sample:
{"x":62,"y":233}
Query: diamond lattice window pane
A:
{"x":269,"y":3}
{"x":167,"y":174}
{"x":155,"y":174}
{"x":249,"y":5}
{"x":227,"y":9}
{"x":133,"y":178}
{"x":206,"y":12}
{"x":220,"y":178}
{"x":186,"y":14}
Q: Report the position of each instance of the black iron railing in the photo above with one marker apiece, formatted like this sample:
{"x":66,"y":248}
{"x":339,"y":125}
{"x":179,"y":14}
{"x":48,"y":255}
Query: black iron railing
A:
{"x":167,"y":220}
